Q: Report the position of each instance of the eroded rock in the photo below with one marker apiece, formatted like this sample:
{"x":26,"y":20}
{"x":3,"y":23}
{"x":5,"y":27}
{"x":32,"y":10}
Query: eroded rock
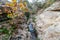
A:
{"x":48,"y":23}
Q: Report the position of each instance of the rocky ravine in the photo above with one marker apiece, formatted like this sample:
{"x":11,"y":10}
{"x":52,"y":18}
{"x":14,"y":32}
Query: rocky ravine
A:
{"x":48,"y":23}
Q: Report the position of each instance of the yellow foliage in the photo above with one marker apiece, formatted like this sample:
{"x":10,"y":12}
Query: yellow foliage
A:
{"x":7,"y":4}
{"x":21,"y":5}
{"x":10,"y":15}
{"x":15,"y":4}
{"x":11,"y":4}
{"x":25,"y":10}
{"x":14,"y":1}
{"x":25,"y":3}
{"x":14,"y":8}
{"x":15,"y":15}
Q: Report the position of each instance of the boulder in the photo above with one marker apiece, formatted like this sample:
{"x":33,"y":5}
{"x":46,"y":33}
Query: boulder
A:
{"x":48,"y":23}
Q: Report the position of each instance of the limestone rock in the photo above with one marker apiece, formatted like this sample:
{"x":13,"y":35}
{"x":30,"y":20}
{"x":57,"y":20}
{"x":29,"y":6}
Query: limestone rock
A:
{"x":48,"y":23}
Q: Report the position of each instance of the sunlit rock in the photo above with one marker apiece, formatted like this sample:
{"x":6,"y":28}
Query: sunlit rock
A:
{"x":48,"y":23}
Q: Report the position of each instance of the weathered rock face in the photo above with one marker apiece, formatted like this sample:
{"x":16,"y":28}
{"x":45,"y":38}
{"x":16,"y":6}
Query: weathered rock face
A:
{"x":48,"y":23}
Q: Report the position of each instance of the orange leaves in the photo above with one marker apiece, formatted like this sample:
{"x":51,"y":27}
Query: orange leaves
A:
{"x":14,"y":5}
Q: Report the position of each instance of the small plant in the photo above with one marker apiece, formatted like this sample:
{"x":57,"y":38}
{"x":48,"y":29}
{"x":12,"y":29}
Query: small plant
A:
{"x":33,"y":19}
{"x":12,"y":28}
{"x":4,"y":30}
{"x":6,"y":37}
{"x":7,"y":33}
